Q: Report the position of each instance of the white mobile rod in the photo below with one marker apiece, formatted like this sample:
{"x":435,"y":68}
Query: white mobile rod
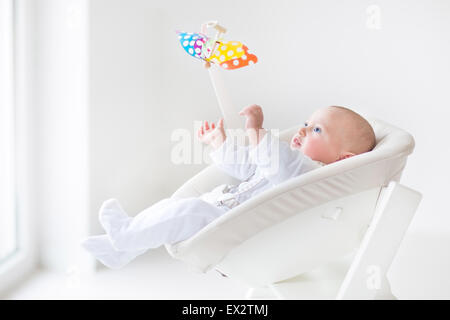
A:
{"x":232,"y":119}
{"x":230,"y":114}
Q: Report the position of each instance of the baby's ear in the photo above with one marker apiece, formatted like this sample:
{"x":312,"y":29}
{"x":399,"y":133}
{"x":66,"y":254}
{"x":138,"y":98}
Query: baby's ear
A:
{"x":346,"y":155}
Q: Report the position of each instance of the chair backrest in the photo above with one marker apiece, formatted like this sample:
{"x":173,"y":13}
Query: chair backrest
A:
{"x":335,"y":181}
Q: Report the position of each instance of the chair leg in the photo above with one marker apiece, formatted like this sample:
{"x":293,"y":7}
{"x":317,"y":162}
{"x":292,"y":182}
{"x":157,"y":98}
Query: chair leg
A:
{"x":366,"y":277}
{"x":385,"y":292}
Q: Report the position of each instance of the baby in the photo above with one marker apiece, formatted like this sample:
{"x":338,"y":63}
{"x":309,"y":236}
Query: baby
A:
{"x":330,"y":134}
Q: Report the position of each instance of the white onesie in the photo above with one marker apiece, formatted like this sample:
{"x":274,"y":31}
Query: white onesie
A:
{"x":172,"y":219}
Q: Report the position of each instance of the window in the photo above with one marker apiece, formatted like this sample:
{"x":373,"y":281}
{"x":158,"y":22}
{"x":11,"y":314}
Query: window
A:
{"x":17,"y":235}
{"x":8,"y":219}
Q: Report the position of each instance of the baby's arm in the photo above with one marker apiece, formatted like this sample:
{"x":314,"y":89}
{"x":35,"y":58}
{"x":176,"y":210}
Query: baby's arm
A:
{"x":228,"y":156}
{"x":276,"y":160}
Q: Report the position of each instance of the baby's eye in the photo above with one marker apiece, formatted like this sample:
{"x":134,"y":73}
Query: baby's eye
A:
{"x":306,"y":124}
{"x":317,"y":129}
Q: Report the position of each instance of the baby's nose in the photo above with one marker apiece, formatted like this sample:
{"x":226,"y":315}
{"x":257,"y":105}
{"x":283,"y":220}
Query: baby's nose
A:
{"x":302,"y":131}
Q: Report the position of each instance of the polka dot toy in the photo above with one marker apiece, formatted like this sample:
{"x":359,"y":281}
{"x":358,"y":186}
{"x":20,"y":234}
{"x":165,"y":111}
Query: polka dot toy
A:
{"x":193,"y":44}
{"x":228,"y":55}
{"x":242,"y":59}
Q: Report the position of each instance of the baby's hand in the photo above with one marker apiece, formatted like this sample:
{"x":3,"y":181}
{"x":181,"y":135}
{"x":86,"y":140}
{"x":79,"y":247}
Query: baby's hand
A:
{"x":254,"y":122}
{"x":254,"y":115}
{"x":213,"y":135}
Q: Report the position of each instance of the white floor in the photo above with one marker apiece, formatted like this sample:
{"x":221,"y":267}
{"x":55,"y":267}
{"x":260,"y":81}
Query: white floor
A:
{"x":421,"y":270}
{"x":154,"y":275}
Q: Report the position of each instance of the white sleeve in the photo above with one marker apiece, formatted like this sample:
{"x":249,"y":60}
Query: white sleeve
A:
{"x":233,"y":159}
{"x":277,"y":161}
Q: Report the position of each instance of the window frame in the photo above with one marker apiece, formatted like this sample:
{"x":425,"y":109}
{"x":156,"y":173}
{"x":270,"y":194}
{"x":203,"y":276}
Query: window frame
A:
{"x":22,"y":261}
{"x":7,"y":132}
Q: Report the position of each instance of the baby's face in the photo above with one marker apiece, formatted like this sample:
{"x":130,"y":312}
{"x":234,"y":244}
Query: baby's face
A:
{"x":321,"y":136}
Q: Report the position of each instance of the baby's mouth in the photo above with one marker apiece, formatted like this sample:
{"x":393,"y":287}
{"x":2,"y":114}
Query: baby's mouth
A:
{"x":297,"y":143}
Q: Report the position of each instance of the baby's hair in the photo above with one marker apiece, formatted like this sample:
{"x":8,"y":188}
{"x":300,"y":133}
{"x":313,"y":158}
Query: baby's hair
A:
{"x":366,"y":136}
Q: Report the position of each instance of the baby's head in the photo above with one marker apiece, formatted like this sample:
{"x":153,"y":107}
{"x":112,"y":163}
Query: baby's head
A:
{"x":334,"y":133}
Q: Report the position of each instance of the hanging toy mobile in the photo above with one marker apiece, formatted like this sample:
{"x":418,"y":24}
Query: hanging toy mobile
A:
{"x":228,"y":55}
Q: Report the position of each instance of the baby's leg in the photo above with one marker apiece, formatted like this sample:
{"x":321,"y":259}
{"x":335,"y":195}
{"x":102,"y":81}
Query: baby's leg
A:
{"x":102,"y":249}
{"x":167,"y":222}
{"x":113,"y":218}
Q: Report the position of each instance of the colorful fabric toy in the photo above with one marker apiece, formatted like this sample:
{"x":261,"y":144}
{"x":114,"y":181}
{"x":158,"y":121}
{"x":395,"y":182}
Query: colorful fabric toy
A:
{"x":229,"y":55}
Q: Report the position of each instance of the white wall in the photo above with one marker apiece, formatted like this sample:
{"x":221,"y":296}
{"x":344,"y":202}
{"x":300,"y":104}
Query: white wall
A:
{"x":61,"y":132}
{"x":128,"y":126}
{"x":311,"y":54}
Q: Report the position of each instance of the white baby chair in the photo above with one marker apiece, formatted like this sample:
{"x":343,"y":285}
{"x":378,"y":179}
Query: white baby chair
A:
{"x":330,"y":233}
